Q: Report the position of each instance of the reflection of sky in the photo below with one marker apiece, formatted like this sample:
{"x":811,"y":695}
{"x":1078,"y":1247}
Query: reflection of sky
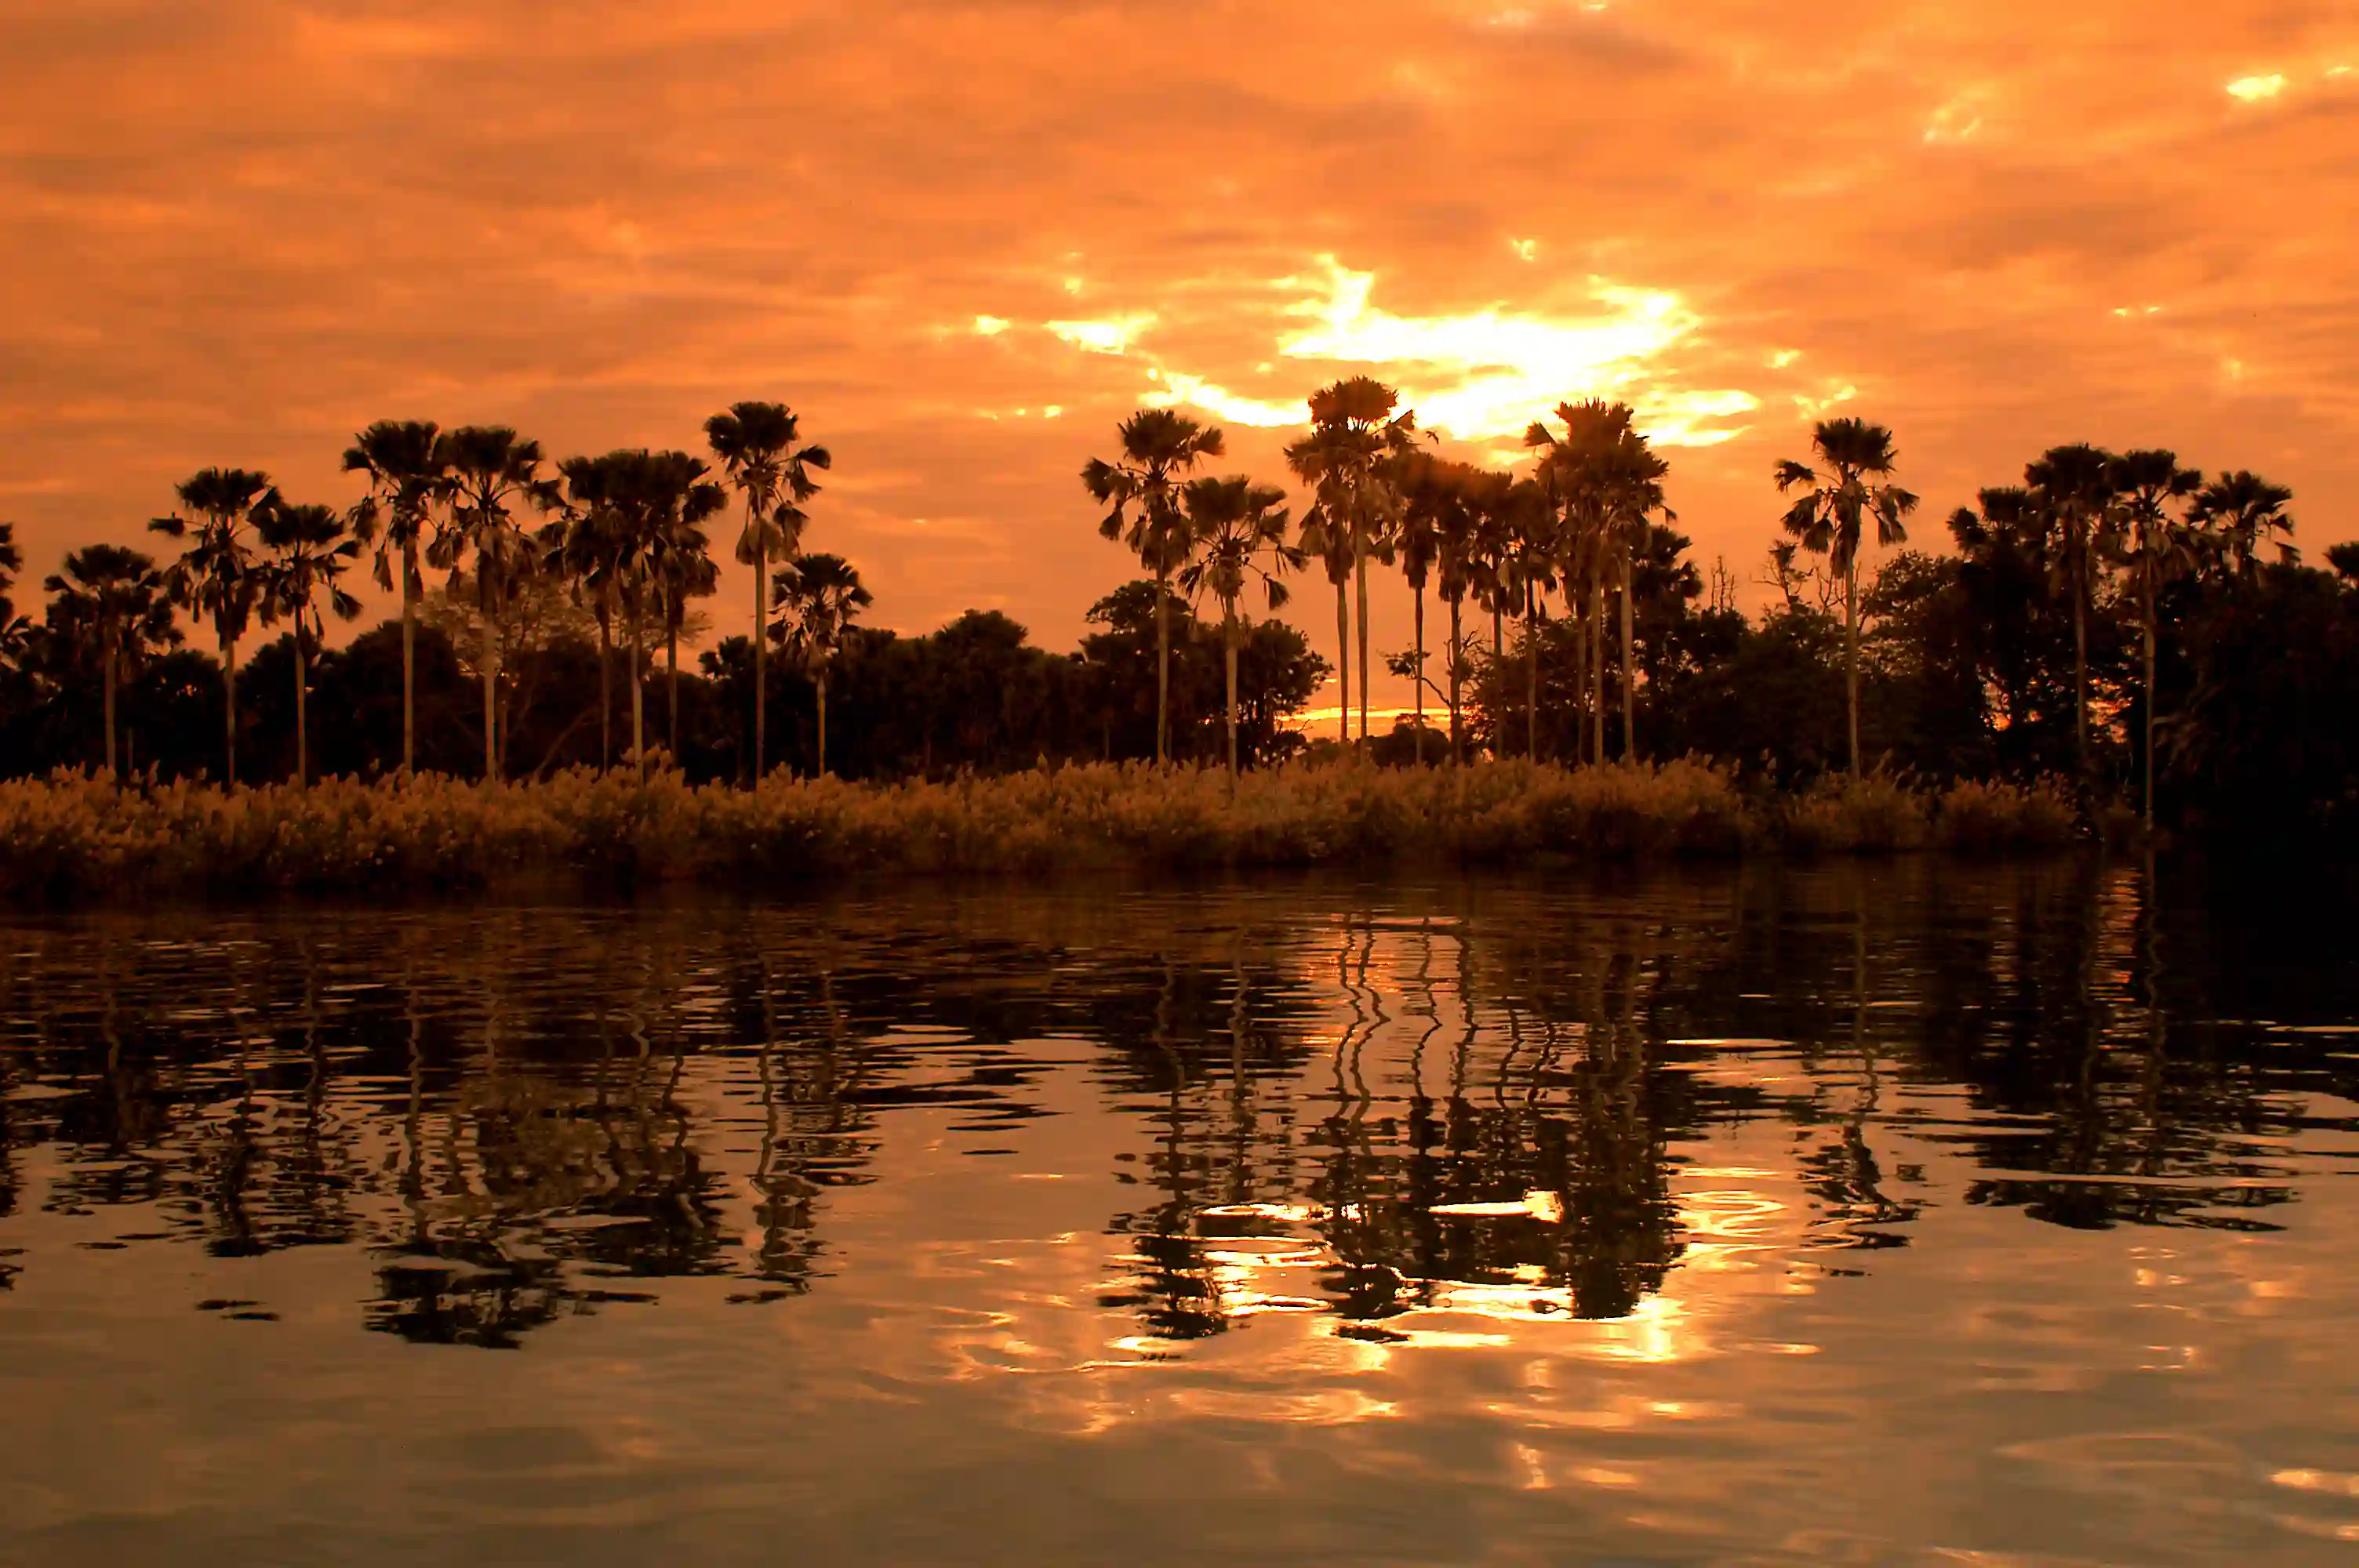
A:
{"x":239,"y":231}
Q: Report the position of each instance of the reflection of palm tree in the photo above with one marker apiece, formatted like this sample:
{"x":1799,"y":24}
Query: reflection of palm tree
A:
{"x":1839,"y":495}
{"x":215,"y":577}
{"x":114,"y":597}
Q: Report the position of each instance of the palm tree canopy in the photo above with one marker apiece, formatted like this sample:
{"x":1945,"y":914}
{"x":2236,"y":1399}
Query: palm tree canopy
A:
{"x":1840,"y":492}
{"x":817,"y":597}
{"x":216,"y":574}
{"x":311,"y":547}
{"x":487,"y":468}
{"x":1141,"y":489}
{"x":755,"y":443}
{"x":1236,"y":523}
{"x":2243,"y":508}
{"x":12,"y":561}
{"x":108,"y":595}
{"x":405,"y":468}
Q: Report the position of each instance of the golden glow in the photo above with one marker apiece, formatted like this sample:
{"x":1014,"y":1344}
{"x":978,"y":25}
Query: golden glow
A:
{"x":990,"y":326}
{"x":2253,"y":88}
{"x":1108,"y":337}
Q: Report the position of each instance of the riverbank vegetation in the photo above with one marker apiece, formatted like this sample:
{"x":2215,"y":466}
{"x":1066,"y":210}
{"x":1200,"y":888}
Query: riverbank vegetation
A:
{"x":77,"y":836}
{"x":2108,"y":640}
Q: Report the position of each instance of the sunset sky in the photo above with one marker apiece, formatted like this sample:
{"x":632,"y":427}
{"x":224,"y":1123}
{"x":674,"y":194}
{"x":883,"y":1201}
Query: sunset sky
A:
{"x":964,"y":240}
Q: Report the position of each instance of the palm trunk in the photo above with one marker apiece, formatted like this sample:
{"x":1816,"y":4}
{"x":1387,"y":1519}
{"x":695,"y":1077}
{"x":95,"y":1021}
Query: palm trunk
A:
{"x":671,"y":686}
{"x":761,"y":649}
{"x":1851,"y":656}
{"x":410,"y":657}
{"x":1457,"y":734}
{"x":228,"y":708}
{"x":1629,"y":701}
{"x":605,"y":690}
{"x":1597,"y":661}
{"x":1531,"y":674}
{"x":112,"y":771}
{"x":1360,"y":575}
{"x":1583,"y":677}
{"x":1344,"y":661}
{"x":1162,"y":667}
{"x":1417,"y":675}
{"x":820,"y":680}
{"x":2081,"y":677}
{"x":1231,"y":660}
{"x":302,"y":713}
{"x":2149,"y":697}
{"x":638,"y":696}
{"x":491,"y":698}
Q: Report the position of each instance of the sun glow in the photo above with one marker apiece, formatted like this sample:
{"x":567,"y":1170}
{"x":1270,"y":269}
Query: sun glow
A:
{"x":2253,"y":88}
{"x":1486,"y":374}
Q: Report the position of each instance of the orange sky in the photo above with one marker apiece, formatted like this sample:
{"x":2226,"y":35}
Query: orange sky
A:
{"x":964,"y":240}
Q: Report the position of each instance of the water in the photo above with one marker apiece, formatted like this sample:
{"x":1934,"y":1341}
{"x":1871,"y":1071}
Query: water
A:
{"x":1913,"y":1213}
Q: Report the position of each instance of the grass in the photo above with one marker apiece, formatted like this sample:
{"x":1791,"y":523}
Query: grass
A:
{"x":73,"y":836}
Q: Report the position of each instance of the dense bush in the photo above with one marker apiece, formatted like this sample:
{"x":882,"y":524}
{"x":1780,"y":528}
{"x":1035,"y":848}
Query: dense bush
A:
{"x":71,"y":836}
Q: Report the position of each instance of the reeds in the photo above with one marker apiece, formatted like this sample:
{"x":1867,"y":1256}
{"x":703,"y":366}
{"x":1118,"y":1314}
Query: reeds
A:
{"x":71,"y":836}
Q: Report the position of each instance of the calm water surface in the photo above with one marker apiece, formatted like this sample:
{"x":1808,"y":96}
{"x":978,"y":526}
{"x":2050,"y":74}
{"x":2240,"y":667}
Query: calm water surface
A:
{"x":1902,"y":1214}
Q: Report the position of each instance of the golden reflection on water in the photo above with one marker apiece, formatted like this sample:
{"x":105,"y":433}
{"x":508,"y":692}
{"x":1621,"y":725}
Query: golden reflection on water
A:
{"x":1870,"y":1212}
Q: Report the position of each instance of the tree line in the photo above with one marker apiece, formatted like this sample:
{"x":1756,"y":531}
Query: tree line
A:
{"x":2092,"y":621}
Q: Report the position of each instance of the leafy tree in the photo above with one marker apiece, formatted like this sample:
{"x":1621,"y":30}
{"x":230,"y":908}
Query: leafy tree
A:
{"x":406,"y":468}
{"x":817,"y":597}
{"x":215,"y":577}
{"x":111,"y":600}
{"x":490,"y":472}
{"x":755,"y":443}
{"x":1159,"y":448}
{"x":311,"y":547}
{"x":1236,"y":525}
{"x":1844,"y":489}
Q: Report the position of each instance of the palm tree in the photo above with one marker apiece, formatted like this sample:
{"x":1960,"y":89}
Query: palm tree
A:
{"x":1839,"y":495}
{"x":404,"y":464}
{"x":215,"y":576}
{"x":683,"y":500}
{"x":488,"y":469}
{"x":1159,"y":450}
{"x":114,"y":598}
{"x":586,"y":545}
{"x":2243,"y":509}
{"x":12,"y":561}
{"x":1433,"y":495}
{"x":1462,"y":523}
{"x":1581,"y":469}
{"x":1532,"y":548}
{"x":755,"y":443}
{"x":2157,"y":549}
{"x":1236,"y":523}
{"x":311,"y":547}
{"x":1348,"y":459}
{"x":1634,"y":493}
{"x":2074,"y":488}
{"x":817,"y":596}
{"x":1326,"y":538}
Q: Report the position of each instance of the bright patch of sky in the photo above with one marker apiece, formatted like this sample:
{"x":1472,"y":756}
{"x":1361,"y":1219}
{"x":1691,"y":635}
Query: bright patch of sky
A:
{"x":2253,"y":88}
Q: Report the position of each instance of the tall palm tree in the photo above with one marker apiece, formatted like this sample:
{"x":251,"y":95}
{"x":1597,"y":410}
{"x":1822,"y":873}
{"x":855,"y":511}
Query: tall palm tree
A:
{"x":1159,"y":448}
{"x":1579,"y":470}
{"x":311,"y":547}
{"x":1348,"y":459}
{"x":682,"y":501}
{"x":2073,"y":487}
{"x":817,"y":597}
{"x":1533,"y":549}
{"x":1330,"y":541}
{"x":215,"y":577}
{"x":588,"y":546}
{"x":404,"y":468}
{"x":1847,"y":486}
{"x":755,"y":443}
{"x":1237,"y":524}
{"x":1458,"y":561}
{"x":113,"y":597}
{"x":1634,"y":495}
{"x":1433,"y":495}
{"x":2156,"y":548}
{"x":2243,"y":509}
{"x":489,"y":471}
